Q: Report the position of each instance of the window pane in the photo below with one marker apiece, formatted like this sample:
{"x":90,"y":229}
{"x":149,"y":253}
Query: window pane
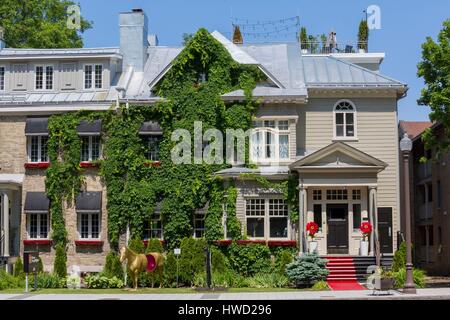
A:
{"x":255,"y":207}
{"x":339,"y":130}
{"x":34,"y":149}
{"x":255,"y":227}
{"x":278,"y":227}
{"x":278,"y":207}
{"x":49,"y":77}
{"x":84,"y":228}
{"x":88,"y":77}
{"x":350,"y":131}
{"x":284,"y":146}
{"x":349,"y":118}
{"x":318,"y":215}
{"x":33,"y":225}
{"x":269,"y":124}
{"x":84,"y":148}
{"x":98,"y":76}
{"x":2,"y":78}
{"x":356,"y":216}
{"x":44,"y":153}
{"x":270,"y":145}
{"x":95,"y":225}
{"x":257,"y":145}
{"x":152,"y":152}
{"x":39,"y":77}
{"x":95,"y":147}
{"x":339,"y":118}
{"x":283,"y":125}
{"x":43,"y":231}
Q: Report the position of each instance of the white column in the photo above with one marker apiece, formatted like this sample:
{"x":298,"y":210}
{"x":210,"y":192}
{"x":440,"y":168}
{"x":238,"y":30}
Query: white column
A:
{"x":372,"y":209}
{"x":302,"y":208}
{"x":5,"y":227}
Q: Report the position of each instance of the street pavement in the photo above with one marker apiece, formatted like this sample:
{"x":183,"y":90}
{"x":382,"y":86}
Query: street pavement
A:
{"x":422,"y":294}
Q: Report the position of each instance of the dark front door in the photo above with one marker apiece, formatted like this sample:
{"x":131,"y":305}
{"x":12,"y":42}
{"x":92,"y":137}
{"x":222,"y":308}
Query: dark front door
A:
{"x":385,"y":229}
{"x":337,"y":226}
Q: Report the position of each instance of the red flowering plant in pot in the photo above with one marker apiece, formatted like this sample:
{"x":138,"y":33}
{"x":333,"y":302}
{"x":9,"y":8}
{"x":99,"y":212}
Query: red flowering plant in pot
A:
{"x":312,"y":228}
{"x":366,"y":229}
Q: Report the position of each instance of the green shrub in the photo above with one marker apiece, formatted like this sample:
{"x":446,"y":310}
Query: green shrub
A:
{"x":282,"y":259}
{"x":400,"y":278}
{"x":18,"y":268}
{"x":154,"y":245}
{"x":250,"y":259}
{"x":320,"y":285}
{"x":192,"y":259}
{"x":113,"y":267}
{"x":307,"y":269}
{"x":399,"y":260}
{"x":8,"y":281}
{"x":136,"y":245}
{"x":49,"y":280}
{"x":102,"y":282}
{"x":267,"y":280}
{"x":40,"y":265}
{"x":59,"y":266}
{"x":219,"y":262}
{"x":226,"y":279}
{"x":170,"y":271}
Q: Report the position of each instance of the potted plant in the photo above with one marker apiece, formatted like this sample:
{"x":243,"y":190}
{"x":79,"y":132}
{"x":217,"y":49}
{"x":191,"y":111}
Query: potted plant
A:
{"x":303,"y":40}
{"x":366,"y":229}
{"x":312,"y":229}
{"x":363,"y":36}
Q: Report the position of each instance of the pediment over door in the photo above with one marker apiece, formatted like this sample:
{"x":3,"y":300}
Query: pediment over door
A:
{"x":338,"y":157}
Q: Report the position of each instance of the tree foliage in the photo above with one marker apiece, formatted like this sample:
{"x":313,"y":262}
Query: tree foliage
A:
{"x":39,"y":24}
{"x":435,"y":70}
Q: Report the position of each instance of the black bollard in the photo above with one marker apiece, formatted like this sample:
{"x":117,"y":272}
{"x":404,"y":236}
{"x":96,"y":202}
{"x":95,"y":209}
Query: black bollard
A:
{"x":208,"y":267}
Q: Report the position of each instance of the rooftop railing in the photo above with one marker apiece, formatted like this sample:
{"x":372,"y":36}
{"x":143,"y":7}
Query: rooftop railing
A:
{"x":320,"y":47}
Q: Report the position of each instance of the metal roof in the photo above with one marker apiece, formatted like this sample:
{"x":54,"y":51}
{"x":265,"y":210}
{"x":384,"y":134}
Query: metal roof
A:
{"x":50,"y":53}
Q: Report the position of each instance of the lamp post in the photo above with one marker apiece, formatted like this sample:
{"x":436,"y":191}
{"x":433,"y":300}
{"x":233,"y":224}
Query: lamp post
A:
{"x":405,"y":147}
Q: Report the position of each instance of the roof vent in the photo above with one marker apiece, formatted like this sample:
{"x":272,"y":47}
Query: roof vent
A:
{"x":137,"y":10}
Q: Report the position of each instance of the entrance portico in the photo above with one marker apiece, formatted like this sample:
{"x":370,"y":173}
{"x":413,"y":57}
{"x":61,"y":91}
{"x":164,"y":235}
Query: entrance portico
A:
{"x":337,"y":190}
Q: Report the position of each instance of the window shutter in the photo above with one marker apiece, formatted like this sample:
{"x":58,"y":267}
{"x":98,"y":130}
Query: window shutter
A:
{"x":19,"y":76}
{"x":68,"y":76}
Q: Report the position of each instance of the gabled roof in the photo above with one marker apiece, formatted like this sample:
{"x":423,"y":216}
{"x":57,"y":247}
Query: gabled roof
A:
{"x":414,"y":128}
{"x":338,"y":156}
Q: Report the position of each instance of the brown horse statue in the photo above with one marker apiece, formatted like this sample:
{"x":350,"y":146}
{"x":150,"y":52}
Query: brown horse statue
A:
{"x":138,"y":262}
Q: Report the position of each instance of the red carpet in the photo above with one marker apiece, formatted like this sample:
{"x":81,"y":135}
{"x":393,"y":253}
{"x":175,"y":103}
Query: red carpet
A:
{"x":344,"y":285}
{"x":342,"y":274}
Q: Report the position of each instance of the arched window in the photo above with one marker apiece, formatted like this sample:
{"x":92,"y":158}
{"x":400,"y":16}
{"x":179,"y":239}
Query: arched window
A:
{"x":344,"y":119}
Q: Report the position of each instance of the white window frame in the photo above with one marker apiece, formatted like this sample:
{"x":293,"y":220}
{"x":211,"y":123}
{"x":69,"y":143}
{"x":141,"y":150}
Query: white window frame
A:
{"x":344,"y":112}
{"x":44,"y":77}
{"x":266,"y":218}
{"x":155,"y":217}
{"x":90,"y":148}
{"x":29,"y":139}
{"x":38,"y":232}
{"x":93,"y":66}
{"x":4,"y":78}
{"x":90,"y":214}
{"x":263,"y":130}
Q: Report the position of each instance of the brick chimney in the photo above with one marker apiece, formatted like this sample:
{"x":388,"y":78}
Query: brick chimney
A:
{"x":133,"y":38}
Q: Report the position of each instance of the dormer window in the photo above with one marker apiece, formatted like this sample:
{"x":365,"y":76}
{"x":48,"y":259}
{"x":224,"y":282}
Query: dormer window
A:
{"x":44,"y":77}
{"x":93,"y":76}
{"x":344,"y":119}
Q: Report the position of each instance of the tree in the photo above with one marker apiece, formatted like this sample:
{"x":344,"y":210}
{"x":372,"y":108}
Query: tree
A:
{"x":39,"y":24}
{"x":363,"y":35}
{"x":186,"y":38}
{"x":435,"y":70}
{"x":303,"y":38}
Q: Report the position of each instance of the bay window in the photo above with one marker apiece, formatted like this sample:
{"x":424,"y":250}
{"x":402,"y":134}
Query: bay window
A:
{"x":267,"y":218}
{"x":270,"y":140}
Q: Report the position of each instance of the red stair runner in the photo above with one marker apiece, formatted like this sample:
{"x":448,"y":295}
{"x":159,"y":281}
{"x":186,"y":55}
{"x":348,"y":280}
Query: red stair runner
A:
{"x":342,"y":274}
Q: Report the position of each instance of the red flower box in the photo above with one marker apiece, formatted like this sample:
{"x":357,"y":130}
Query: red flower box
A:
{"x":88,"y":242}
{"x":45,"y":242}
{"x":145,"y":242}
{"x":224,"y":242}
{"x":152,"y":164}
{"x":88,"y":165}
{"x":37,"y":165}
{"x":282,"y":243}
{"x":251,"y":242}
{"x":271,"y":243}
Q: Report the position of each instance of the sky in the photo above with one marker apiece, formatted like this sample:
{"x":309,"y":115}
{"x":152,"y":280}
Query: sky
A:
{"x":405,"y":24}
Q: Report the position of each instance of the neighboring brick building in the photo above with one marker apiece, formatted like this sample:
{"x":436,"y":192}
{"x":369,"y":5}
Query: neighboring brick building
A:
{"x":430,"y":201}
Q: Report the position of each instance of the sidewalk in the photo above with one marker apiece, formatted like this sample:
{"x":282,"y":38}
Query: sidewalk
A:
{"x":422,"y":294}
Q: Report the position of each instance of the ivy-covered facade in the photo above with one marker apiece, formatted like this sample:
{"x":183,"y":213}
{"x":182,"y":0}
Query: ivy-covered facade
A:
{"x":88,"y":162}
